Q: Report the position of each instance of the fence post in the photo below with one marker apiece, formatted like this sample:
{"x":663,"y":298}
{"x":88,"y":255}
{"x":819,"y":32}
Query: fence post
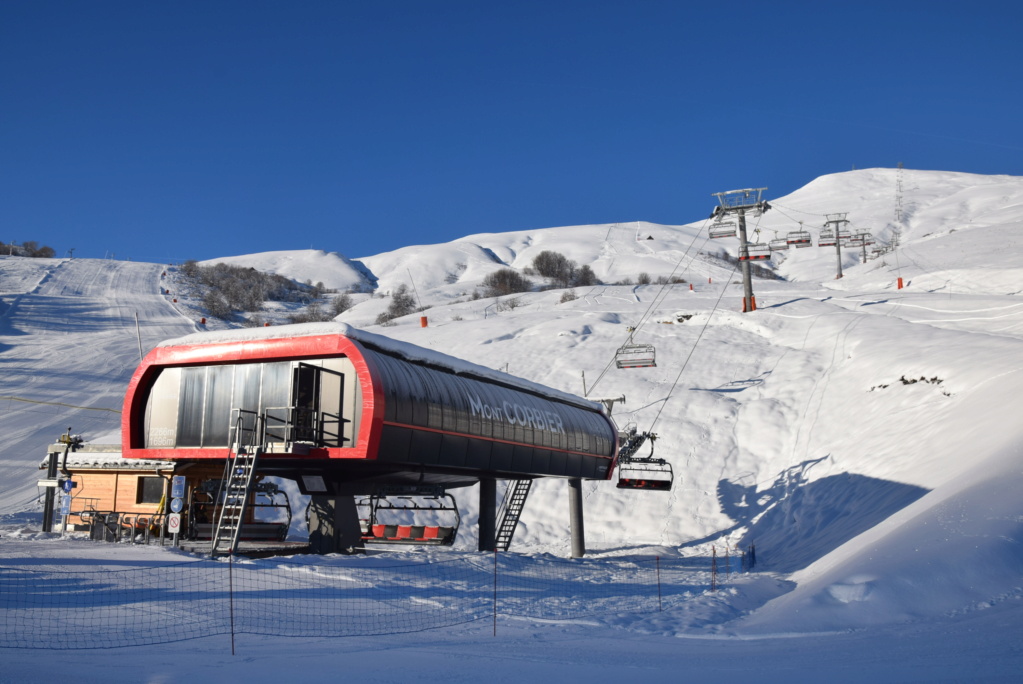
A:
{"x":659,"y":608}
{"x":714,"y":568}
{"x":230,"y":593}
{"x":495,"y":591}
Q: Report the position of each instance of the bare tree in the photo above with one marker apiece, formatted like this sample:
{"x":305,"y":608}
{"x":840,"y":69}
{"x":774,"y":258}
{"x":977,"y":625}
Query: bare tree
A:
{"x":402,"y":304}
{"x":552,"y":264}
{"x":584,"y":276}
{"x":341,"y":303}
{"x":505,"y":282}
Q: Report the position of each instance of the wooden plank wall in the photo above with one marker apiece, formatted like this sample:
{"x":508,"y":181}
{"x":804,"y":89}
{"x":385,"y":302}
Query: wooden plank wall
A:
{"x":108,"y":490}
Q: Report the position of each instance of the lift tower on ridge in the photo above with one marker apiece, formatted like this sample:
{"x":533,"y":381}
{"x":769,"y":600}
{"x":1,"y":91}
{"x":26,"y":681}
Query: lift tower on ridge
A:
{"x":838,"y":221}
{"x":739,"y":202}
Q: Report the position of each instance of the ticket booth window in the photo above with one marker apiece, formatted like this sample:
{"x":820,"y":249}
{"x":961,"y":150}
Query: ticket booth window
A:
{"x":150,"y":490}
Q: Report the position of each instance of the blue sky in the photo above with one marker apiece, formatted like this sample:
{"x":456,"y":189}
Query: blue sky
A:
{"x":169,"y":131}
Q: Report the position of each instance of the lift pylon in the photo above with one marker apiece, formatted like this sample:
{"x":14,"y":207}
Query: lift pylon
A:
{"x":741,"y":202}
{"x":837,"y":223}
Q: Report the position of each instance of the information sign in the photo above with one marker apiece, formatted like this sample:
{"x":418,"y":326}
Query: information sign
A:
{"x":67,"y":485}
{"x":174,"y":523}
{"x":65,"y":504}
{"x":178,"y":487}
{"x":177,"y":505}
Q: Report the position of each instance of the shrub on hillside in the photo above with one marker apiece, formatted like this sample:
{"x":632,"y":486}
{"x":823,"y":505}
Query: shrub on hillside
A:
{"x":225,"y":289}
{"x":562,"y":270}
{"x":313,"y":313}
{"x":402,"y":304}
{"x":553,"y":265}
{"x":29,"y":248}
{"x":584,"y":276}
{"x":341,"y":303}
{"x":505,"y":282}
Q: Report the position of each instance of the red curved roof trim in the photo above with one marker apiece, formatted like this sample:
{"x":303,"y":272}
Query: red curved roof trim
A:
{"x":280,"y":349}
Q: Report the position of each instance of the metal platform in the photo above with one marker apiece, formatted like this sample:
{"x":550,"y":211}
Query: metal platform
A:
{"x":747,"y":198}
{"x":251,"y":549}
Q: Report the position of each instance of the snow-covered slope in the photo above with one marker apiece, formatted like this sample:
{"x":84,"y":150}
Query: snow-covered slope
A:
{"x":865,"y":438}
{"x":68,"y":346}
{"x":332,"y":269}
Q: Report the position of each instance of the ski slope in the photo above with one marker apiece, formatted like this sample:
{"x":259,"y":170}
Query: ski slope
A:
{"x":68,"y":346}
{"x":867,"y":439}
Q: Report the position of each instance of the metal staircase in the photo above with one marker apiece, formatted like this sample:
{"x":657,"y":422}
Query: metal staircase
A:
{"x":237,"y":490}
{"x":511,"y":511}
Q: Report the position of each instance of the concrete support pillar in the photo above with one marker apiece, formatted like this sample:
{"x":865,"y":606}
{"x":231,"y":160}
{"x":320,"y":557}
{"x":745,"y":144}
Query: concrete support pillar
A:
{"x":575,"y":509}
{"x":334,"y":524}
{"x":488,"y":514}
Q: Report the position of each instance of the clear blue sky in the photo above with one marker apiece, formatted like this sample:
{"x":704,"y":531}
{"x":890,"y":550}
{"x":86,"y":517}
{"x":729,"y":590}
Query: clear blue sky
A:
{"x":163,"y":131}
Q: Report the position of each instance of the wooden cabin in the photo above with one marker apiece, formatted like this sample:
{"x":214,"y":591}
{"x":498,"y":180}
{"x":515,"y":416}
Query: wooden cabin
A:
{"x":115,"y":497}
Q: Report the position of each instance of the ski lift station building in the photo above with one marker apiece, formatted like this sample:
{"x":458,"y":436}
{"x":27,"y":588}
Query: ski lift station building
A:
{"x":346,"y":413}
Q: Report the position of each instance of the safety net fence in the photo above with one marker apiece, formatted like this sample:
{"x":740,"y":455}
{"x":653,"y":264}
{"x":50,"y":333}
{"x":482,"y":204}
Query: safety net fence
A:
{"x":69,"y":607}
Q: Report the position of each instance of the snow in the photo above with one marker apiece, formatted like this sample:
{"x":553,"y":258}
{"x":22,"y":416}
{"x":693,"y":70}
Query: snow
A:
{"x":865,"y":438}
{"x":334,"y":270}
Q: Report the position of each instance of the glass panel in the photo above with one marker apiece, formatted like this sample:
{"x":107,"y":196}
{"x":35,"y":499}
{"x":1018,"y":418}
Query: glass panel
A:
{"x":193,"y":382}
{"x":246,"y":398}
{"x":350,"y":401}
{"x":150,"y":490}
{"x":332,"y":387}
{"x":273,"y":401}
{"x":162,"y":410}
{"x":219,"y":383}
{"x":276,"y":385}
{"x":306,"y":398}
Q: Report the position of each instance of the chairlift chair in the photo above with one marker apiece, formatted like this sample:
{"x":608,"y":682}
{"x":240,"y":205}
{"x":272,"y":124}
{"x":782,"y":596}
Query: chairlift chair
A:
{"x":270,"y":510}
{"x":636,"y":356}
{"x":632,"y":355}
{"x":426,"y":520}
{"x":827,"y":238}
{"x":799,"y":238}
{"x":756,"y":251}
{"x":646,"y":473}
{"x":778,"y":245}
{"x":722,"y":229}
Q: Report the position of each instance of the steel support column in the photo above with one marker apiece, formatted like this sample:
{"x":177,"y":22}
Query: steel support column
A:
{"x":575,"y":509}
{"x":488,"y":514}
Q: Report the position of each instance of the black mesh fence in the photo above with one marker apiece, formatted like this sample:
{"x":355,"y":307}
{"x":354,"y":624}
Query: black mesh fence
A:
{"x":67,"y":607}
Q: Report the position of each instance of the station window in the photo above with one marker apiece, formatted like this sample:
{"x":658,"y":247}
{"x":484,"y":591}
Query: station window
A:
{"x":150,"y":490}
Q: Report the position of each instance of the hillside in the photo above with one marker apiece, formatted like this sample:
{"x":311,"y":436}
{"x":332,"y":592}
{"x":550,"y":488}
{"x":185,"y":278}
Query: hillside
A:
{"x":865,"y":438}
